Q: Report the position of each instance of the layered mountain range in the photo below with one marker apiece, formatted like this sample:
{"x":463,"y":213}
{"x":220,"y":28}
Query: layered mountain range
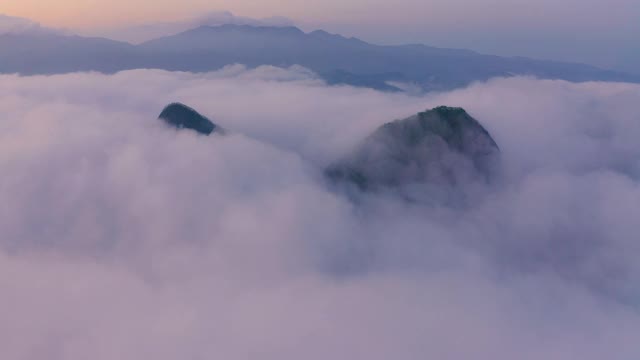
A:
{"x":336,"y":59}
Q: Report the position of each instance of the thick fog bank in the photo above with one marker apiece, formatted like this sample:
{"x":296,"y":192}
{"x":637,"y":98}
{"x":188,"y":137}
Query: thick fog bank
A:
{"x":121,"y":238}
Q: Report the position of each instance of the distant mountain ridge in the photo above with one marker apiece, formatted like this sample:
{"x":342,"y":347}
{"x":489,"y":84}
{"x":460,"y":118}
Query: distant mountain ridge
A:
{"x":337,"y":59}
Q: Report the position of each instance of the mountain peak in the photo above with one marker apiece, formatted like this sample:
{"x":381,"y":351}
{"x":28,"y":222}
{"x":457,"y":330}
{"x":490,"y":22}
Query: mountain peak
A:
{"x":443,"y":146}
{"x":446,"y":111}
{"x":251,"y":28}
{"x":182,"y":116}
{"x":325,"y":34}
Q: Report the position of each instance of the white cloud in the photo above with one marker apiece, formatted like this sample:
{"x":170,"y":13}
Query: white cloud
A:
{"x":123,"y":239}
{"x":10,"y":24}
{"x":16,"y":25}
{"x":141,"y":33}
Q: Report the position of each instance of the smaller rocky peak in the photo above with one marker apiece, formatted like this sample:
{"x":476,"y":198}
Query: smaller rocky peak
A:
{"x":182,"y":116}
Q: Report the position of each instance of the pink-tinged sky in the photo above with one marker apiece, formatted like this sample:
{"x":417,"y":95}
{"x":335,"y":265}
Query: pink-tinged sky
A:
{"x":517,"y":13}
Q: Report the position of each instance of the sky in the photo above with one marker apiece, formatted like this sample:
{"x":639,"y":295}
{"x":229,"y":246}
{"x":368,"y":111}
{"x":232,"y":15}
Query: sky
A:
{"x":565,"y":14}
{"x":603,"y":33}
{"x":125,"y":239}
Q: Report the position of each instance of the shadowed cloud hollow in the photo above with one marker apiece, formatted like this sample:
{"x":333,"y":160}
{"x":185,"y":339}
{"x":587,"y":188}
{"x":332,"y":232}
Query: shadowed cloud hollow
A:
{"x":121,"y":238}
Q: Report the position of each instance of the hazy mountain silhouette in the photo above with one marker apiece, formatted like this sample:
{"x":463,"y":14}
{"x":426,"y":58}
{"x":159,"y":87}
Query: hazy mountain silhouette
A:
{"x":45,"y":53}
{"x":339,"y":60}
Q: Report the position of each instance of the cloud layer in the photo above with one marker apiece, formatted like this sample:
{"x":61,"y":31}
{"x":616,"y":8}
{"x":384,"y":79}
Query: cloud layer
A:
{"x":123,"y":239}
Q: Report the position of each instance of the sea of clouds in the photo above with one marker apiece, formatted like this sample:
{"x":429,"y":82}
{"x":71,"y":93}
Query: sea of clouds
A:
{"x":121,"y":238}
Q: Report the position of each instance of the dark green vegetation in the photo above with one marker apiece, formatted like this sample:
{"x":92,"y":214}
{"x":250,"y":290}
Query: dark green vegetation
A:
{"x":442,"y":146}
{"x":184,"y":117}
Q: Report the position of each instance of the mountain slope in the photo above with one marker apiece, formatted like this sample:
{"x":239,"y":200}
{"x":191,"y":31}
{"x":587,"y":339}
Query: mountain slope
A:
{"x":53,"y":53}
